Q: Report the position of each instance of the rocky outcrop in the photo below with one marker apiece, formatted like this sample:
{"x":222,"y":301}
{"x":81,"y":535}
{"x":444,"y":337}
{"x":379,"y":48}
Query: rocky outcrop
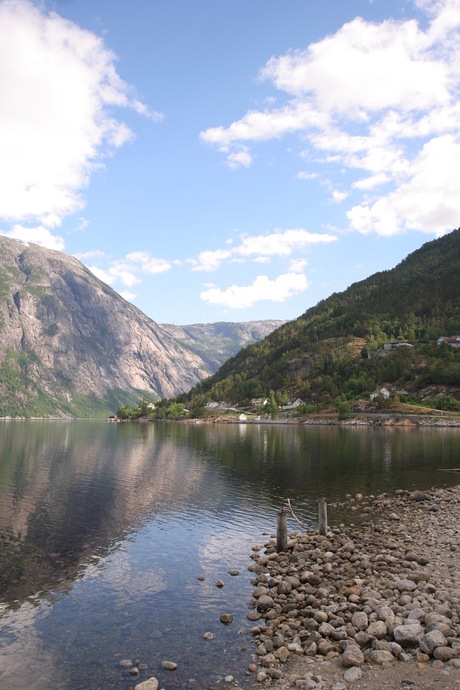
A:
{"x":65,"y":334}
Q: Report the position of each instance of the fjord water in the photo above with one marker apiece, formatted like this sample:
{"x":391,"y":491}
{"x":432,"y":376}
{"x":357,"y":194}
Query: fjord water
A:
{"x":105,"y":527}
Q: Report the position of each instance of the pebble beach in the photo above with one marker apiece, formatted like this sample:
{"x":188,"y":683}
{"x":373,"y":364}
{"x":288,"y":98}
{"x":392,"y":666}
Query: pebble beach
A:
{"x":374,"y":604}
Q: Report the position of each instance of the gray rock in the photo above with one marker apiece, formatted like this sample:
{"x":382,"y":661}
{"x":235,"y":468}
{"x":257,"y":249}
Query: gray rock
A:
{"x":208,"y":636}
{"x":219,"y":584}
{"x":169,"y":665}
{"x":259,"y":591}
{"x":352,"y":674}
{"x":234,"y":573}
{"x":127,"y":663}
{"x":418,"y":496}
{"x":352,"y":656}
{"x":444,"y":653}
{"x":264,"y":603}
{"x":405,"y":585}
{"x":150,"y":684}
{"x":431,"y":640}
{"x":227,"y":618}
{"x":377,"y":629}
{"x":408,"y":635}
{"x":360,"y":620}
{"x":380,"y":656}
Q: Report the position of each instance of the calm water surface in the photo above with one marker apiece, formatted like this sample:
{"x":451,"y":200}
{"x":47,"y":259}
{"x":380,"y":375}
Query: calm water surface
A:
{"x":104,"y":529}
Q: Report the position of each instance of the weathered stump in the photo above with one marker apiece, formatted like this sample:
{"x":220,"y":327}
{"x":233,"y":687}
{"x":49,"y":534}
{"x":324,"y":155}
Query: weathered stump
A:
{"x":322,"y":516}
{"x":281,"y":531}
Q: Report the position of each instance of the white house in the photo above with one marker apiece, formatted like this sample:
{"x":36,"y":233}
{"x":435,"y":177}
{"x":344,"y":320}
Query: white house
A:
{"x":242,"y":418}
{"x":453,"y":341}
{"x":151,"y":406}
{"x":211,"y":405}
{"x":259,"y":401}
{"x":292,"y":404}
{"x":384,"y":392}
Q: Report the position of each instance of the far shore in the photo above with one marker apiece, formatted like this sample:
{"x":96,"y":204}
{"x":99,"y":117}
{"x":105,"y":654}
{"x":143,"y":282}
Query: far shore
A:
{"x":381,"y":419}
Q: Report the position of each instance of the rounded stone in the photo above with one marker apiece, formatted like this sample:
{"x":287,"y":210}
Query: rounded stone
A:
{"x":150,"y":684}
{"x":352,"y":674}
{"x":134,"y":671}
{"x":408,"y":635}
{"x":444,"y":653}
{"x":208,"y":636}
{"x":377,"y":629}
{"x":234,"y":573}
{"x":360,"y":620}
{"x":352,"y":656}
{"x":380,"y":656}
{"x":169,"y":665}
{"x":406,"y":585}
{"x":226,"y":618}
{"x":219,"y":584}
{"x":431,"y":640}
{"x":127,"y":663}
{"x":264,"y":603}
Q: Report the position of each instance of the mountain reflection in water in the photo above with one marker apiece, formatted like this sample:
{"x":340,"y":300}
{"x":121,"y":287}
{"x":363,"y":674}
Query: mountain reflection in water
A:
{"x":104,"y":529}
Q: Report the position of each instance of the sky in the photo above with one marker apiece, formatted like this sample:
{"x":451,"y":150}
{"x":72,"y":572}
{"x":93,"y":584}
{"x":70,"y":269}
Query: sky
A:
{"x":230,"y":161}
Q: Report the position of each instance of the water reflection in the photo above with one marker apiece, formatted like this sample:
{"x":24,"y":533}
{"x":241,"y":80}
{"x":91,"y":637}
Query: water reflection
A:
{"x":104,"y":529}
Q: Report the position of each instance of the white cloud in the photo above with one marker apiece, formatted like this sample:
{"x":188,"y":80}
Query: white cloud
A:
{"x":210,"y":260}
{"x":128,"y":296}
{"x":297,"y":265}
{"x":58,"y":84}
{"x":150,"y":264}
{"x":304,"y":175}
{"x":89,"y":255}
{"x":238,"y":158}
{"x":262,"y":288}
{"x":379,"y":98}
{"x":339,"y":196}
{"x":119,"y":271}
{"x":262,"y":247}
{"x":37,"y":235}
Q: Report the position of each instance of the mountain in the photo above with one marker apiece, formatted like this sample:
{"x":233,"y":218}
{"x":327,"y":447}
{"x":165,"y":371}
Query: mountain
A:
{"x":70,"y":345}
{"x":221,"y":340}
{"x":336,"y":348}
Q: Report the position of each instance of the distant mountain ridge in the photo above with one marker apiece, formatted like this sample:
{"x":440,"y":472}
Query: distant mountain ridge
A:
{"x":71,"y":345}
{"x":223,"y":339}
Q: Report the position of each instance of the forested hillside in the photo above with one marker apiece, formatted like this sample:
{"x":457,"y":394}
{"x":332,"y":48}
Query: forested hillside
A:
{"x":334,"y":350}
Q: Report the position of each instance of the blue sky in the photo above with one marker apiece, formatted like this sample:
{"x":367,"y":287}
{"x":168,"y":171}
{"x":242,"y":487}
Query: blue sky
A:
{"x":230,"y":160}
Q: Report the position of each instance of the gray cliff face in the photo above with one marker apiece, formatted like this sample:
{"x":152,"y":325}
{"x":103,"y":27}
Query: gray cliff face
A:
{"x":63,"y":333}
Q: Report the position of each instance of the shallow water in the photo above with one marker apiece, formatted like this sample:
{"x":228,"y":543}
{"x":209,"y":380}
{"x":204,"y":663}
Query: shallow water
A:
{"x":105,"y":527}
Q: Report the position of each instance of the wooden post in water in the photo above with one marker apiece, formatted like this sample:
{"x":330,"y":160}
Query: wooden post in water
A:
{"x":322,"y":516}
{"x":281,"y":531}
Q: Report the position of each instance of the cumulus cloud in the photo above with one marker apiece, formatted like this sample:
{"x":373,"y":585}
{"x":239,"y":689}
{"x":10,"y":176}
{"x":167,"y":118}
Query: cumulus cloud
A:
{"x":276,"y":244}
{"x":37,"y":235}
{"x":59,"y":87}
{"x":119,"y":271}
{"x":262,"y":288}
{"x":381,"y":101}
{"x":149,"y":264}
{"x":128,"y":270}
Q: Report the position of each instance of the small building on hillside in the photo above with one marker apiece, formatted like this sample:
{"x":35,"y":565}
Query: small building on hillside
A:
{"x":151,"y":406}
{"x":211,"y":405}
{"x":394,"y":344}
{"x":242,"y":418}
{"x":259,"y":401}
{"x":453,"y":340}
{"x":384,"y":392}
{"x":293,"y":404}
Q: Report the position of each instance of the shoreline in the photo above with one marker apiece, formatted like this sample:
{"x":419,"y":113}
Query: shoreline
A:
{"x":368,"y":605}
{"x":378,"y":420}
